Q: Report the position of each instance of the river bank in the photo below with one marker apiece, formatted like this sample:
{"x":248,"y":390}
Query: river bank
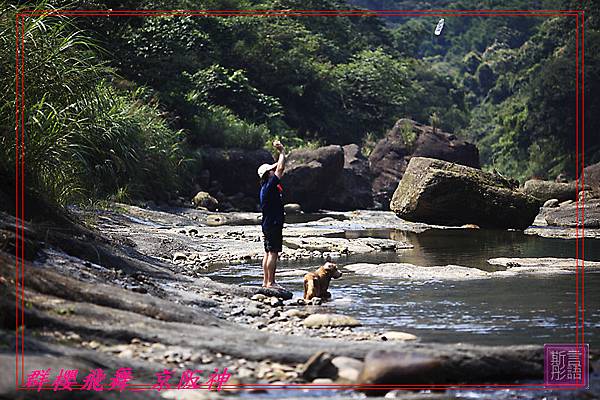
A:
{"x":142,"y":288}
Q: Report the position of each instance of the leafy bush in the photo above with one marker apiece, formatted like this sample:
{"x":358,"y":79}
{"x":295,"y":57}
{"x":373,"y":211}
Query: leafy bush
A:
{"x":217,"y":85}
{"x":409,"y":136}
{"x":218,"y":126}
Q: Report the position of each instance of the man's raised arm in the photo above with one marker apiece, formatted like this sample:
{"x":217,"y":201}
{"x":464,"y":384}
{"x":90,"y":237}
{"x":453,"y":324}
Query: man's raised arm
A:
{"x":281,"y":161}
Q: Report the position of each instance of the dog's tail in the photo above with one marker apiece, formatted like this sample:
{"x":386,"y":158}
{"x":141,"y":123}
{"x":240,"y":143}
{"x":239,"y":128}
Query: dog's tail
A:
{"x":309,"y":288}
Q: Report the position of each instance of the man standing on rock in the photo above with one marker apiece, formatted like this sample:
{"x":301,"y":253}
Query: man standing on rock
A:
{"x":271,"y":205}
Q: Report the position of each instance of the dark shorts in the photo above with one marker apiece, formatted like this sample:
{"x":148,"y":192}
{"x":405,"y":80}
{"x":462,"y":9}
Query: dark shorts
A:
{"x":273,"y":238}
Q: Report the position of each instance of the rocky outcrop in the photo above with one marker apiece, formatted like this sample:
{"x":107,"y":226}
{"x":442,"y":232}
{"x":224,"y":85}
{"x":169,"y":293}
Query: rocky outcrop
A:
{"x":546,"y":190}
{"x":440,"y":192}
{"x":330,"y":177}
{"x":344,"y":246}
{"x":353,"y":189}
{"x":543,"y":265}
{"x":388,"y":161}
{"x":407,"y":139}
{"x":512,"y":268}
{"x":412,"y":272}
{"x":230,"y":175}
{"x":574,"y":215}
{"x":310,"y":174}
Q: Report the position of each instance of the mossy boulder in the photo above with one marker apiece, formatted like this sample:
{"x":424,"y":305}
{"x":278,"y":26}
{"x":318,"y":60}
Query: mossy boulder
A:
{"x":440,"y":192}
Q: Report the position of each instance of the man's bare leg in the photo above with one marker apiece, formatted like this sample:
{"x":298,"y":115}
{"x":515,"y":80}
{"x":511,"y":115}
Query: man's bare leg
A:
{"x":265,"y":269}
{"x":271,"y":266}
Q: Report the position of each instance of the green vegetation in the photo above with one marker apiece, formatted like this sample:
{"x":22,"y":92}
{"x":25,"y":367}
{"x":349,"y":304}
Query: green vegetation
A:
{"x":120,"y":108}
{"x":84,"y":137}
{"x":409,"y":136}
{"x":524,"y":121}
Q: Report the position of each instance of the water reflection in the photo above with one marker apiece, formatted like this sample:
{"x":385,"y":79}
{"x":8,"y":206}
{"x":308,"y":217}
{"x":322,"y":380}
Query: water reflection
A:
{"x":473,"y":247}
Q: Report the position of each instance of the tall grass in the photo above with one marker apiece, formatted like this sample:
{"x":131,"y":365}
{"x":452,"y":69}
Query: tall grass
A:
{"x":83,"y":138}
{"x":219,"y":126}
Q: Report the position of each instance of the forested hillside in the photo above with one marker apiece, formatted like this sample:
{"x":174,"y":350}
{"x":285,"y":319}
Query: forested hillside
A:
{"x":123,"y":106}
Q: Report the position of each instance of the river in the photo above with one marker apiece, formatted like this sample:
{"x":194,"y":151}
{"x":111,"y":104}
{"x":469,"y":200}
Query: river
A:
{"x":526,"y":309}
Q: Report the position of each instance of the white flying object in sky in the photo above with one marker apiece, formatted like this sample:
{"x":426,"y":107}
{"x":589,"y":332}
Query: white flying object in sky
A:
{"x":439,"y":27}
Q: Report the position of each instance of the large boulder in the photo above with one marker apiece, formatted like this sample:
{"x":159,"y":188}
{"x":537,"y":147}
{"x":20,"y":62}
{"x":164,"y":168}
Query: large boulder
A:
{"x":407,"y":139}
{"x":440,"y":192}
{"x":309,"y":176}
{"x":353,"y":189}
{"x":591,"y":178}
{"x":232,"y":174}
{"x":546,"y":190}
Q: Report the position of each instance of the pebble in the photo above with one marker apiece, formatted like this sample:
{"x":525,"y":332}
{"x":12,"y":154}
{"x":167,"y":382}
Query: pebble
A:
{"x":322,"y":381}
{"x":244,"y":372}
{"x":118,"y":348}
{"x":73,"y":336}
{"x":128,"y":353}
{"x":348,"y":368}
{"x":316,"y":301}
{"x":158,"y":346}
{"x":329,"y":320}
{"x":179,"y":256}
{"x":275,"y":302}
{"x":294,"y":312}
{"x":253,"y":311}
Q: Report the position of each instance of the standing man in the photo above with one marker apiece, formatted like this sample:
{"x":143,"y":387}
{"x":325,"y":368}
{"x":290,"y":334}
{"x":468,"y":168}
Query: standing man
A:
{"x":271,"y":205}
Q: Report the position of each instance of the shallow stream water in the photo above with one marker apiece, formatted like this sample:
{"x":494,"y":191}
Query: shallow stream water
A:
{"x":525,"y":309}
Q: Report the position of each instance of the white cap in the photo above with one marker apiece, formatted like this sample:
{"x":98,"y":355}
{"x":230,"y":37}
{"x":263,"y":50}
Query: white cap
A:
{"x":264,"y":168}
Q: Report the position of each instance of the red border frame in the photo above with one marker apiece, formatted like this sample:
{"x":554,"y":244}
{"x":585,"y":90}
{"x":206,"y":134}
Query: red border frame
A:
{"x":20,"y":170}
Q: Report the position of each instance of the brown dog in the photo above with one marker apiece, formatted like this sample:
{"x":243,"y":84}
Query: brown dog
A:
{"x":316,"y":283}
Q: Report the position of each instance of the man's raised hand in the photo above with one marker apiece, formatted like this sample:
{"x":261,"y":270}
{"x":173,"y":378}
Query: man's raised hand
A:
{"x":277,"y":144}
{"x":281,"y":160}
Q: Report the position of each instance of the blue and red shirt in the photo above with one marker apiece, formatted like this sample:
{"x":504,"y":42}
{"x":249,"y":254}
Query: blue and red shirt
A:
{"x":271,"y":203}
